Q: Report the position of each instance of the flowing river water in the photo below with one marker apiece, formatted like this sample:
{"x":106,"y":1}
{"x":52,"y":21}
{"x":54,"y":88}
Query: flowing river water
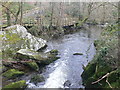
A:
{"x":66,"y":71}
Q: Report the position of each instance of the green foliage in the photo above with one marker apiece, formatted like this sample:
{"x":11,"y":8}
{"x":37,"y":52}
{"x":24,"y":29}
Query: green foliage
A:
{"x":104,"y":61}
{"x":114,"y":81}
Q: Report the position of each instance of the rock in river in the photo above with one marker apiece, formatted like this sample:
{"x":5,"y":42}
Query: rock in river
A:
{"x":40,"y":57}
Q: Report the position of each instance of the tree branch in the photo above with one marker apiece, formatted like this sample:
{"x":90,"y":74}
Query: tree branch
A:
{"x":9,"y":10}
{"x":106,"y":75}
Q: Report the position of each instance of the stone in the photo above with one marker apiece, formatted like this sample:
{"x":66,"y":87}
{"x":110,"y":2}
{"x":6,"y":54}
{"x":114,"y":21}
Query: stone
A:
{"x":40,"y":57}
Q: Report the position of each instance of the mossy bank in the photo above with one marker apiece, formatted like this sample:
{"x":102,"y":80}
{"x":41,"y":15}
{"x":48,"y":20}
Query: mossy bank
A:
{"x":104,"y":71}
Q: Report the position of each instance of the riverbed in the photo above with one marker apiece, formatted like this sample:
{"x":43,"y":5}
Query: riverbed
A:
{"x":66,"y":71}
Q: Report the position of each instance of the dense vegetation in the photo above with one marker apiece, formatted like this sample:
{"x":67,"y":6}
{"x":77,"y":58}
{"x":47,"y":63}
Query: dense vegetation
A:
{"x":104,"y":70}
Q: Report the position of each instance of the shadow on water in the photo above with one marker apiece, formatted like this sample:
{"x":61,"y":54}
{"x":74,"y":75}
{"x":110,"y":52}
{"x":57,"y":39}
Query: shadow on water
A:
{"x":66,"y":71}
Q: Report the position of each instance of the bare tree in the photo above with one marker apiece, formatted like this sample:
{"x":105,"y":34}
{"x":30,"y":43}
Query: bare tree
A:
{"x":52,"y":11}
{"x":21,"y":16}
{"x":18,"y":12}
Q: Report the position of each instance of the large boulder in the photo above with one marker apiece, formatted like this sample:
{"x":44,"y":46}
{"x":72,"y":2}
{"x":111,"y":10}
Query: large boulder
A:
{"x":17,"y":37}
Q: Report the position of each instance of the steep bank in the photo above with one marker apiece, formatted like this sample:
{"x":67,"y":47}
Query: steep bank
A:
{"x":104,"y":71}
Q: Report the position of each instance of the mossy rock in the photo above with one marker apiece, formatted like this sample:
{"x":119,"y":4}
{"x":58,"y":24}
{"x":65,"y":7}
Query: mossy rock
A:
{"x":26,"y":54}
{"x":78,"y":54}
{"x":33,"y":65}
{"x":37,"y":78}
{"x":88,"y":72}
{"x":54,"y":51}
{"x":39,"y":57}
{"x":14,"y":85}
{"x":50,"y":59}
{"x":12,"y":73}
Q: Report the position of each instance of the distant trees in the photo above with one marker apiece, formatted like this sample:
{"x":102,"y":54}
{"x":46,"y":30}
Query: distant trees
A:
{"x":12,"y":12}
{"x":56,"y":13}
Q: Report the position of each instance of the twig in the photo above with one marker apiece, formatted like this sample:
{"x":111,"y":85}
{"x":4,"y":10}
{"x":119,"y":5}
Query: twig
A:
{"x":108,"y":83}
{"x":101,"y":78}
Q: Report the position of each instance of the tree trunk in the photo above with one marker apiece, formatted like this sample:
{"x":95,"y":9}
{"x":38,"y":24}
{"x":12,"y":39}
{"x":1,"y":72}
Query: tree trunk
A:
{"x":18,"y":12}
{"x":21,"y":16}
{"x":8,"y":17}
{"x":51,"y":18}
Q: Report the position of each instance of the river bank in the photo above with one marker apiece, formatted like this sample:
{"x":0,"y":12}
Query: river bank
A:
{"x":104,"y":71}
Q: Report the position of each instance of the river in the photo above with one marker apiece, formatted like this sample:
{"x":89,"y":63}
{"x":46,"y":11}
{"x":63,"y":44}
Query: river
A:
{"x":66,"y":71}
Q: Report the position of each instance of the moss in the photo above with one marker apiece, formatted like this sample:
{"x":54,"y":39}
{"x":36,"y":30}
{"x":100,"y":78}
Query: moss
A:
{"x":50,"y":59}
{"x":54,"y":51}
{"x":78,"y":54}
{"x":88,"y":72}
{"x":33,"y":65}
{"x":12,"y":38}
{"x":14,"y":85}
{"x":37,"y":78}
{"x":12,"y":73}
